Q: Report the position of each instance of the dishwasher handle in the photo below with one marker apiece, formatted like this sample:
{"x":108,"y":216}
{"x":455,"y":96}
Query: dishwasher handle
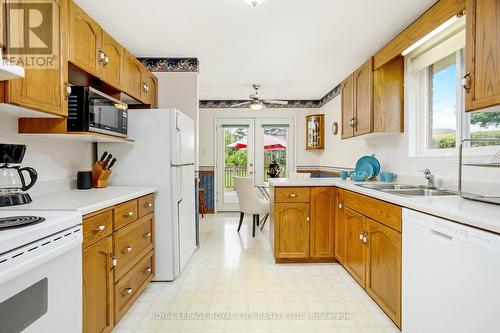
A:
{"x":441,"y":235}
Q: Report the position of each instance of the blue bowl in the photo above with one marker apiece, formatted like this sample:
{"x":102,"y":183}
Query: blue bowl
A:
{"x":359,"y":176}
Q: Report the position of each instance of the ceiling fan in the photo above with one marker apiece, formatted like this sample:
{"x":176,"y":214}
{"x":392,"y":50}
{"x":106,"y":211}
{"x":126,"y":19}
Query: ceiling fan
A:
{"x":257,"y":101}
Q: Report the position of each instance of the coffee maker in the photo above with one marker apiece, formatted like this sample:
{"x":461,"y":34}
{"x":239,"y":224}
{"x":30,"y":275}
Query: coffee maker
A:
{"x":13,"y":184}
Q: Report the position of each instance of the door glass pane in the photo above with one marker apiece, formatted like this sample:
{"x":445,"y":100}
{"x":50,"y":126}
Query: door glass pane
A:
{"x":235,"y":159}
{"x":442,"y":116}
{"x":275,"y":151}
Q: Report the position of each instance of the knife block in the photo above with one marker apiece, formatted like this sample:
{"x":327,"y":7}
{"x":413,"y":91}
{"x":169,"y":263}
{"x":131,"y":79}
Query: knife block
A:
{"x":100,"y":175}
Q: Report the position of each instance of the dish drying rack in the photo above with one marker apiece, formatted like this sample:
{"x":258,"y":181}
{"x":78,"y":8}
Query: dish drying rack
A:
{"x":493,"y":162}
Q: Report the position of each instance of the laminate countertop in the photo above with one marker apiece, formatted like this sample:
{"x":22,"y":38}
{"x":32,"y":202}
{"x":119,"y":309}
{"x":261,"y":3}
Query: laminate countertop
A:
{"x":83,"y":201}
{"x":473,"y":213}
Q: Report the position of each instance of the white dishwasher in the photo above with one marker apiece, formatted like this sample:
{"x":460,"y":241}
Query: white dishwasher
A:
{"x":451,"y":276}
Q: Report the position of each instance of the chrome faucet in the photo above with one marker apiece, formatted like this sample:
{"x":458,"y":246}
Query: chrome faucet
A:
{"x":431,"y":180}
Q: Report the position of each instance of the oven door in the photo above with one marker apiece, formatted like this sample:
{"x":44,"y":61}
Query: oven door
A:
{"x":41,"y":286}
{"x":106,"y":114}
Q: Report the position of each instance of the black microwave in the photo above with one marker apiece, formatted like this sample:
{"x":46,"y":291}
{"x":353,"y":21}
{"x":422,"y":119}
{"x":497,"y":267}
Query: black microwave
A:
{"x":90,"y":110}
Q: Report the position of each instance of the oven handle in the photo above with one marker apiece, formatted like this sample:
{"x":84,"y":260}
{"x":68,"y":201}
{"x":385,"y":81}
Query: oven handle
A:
{"x":41,"y":258}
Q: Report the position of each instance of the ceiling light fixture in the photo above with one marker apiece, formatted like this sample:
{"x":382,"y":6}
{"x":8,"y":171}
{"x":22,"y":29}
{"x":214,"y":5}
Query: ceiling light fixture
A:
{"x":254,"y":3}
{"x":257,"y":105}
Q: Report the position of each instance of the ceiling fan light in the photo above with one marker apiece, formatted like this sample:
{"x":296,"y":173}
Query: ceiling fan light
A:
{"x":254,"y":3}
{"x":257,"y":105}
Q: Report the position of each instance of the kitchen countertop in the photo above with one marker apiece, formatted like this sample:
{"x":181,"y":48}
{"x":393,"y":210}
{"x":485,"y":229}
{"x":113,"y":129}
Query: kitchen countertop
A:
{"x":477,"y":214}
{"x":84,"y":201}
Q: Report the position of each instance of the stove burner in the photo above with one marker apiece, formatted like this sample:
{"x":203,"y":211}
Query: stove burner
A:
{"x":19,"y":221}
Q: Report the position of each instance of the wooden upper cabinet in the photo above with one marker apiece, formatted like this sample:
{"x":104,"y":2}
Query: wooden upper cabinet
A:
{"x":98,"y":287}
{"x":363,"y":98}
{"x":347,"y":108}
{"x":132,"y":75}
{"x":482,"y":81}
{"x":322,"y":222}
{"x":340,"y":229}
{"x":292,"y":221}
{"x":383,"y":281}
{"x":3,"y":25}
{"x":44,"y":89}
{"x":388,"y":97}
{"x":85,"y":41}
{"x":149,"y":88}
{"x":113,"y":53}
{"x":355,"y":255}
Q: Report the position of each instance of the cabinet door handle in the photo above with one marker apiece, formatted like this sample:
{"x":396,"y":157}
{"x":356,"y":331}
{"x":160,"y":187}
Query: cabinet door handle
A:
{"x":307,"y":218}
{"x":340,"y":205}
{"x":128,"y":214}
{"x":365,"y":240}
{"x":147,"y":235}
{"x":99,"y":228}
{"x":105,"y":61}
{"x":149,"y":205}
{"x":361,"y":236}
{"x":67,"y":91}
{"x":354,"y":122}
{"x":293,"y":195}
{"x":466,"y":82}
{"x":114,"y":261}
{"x":147,"y":270}
{"x":126,"y":292}
{"x":126,"y":250}
{"x":100,"y":55}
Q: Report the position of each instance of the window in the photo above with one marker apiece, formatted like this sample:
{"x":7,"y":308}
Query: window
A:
{"x":434,"y":71}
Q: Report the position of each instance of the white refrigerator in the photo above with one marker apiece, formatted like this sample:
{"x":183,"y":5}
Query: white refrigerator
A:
{"x":162,"y":156}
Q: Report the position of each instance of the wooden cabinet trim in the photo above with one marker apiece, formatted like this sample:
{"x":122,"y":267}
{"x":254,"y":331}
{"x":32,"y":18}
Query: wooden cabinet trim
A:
{"x":439,"y":13}
{"x":347,"y":131}
{"x":340,"y":245}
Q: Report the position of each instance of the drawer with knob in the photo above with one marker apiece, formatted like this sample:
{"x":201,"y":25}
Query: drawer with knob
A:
{"x":125,"y":213}
{"x":146,"y":204}
{"x":97,"y":227}
{"x":132,"y":242}
{"x":132,"y":284}
{"x":293,"y":194}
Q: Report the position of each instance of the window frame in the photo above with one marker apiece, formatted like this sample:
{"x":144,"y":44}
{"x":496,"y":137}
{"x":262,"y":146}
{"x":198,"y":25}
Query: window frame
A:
{"x":417,"y":97}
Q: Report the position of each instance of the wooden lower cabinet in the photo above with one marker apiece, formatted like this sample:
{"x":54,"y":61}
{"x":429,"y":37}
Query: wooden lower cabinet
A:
{"x":118,"y":263}
{"x":293,"y":226}
{"x":303,"y":224}
{"x":383,"y":276}
{"x":373,"y":249}
{"x":322,"y":222}
{"x":355,"y":256}
{"x":98,"y":310}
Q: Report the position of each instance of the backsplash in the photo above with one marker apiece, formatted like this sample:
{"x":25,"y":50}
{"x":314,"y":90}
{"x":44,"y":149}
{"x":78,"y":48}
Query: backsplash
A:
{"x":53,"y":158}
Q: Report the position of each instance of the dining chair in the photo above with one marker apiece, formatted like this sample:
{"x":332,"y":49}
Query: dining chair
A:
{"x":249,"y":202}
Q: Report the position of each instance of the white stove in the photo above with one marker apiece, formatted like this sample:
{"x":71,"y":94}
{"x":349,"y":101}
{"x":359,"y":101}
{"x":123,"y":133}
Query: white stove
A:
{"x":41,"y":271}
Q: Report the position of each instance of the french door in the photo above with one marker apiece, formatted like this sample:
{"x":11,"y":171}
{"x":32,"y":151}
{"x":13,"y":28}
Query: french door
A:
{"x":245,"y":147}
{"x":235,"y":158}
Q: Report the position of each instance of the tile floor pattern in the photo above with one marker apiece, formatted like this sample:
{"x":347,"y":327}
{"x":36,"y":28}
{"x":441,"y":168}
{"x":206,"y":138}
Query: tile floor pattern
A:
{"x":233,"y":274}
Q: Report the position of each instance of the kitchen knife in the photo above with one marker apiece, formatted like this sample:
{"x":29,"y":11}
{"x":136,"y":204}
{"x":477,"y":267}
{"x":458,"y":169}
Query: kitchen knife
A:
{"x":105,"y":163}
{"x":112,"y":163}
{"x":103,"y":157}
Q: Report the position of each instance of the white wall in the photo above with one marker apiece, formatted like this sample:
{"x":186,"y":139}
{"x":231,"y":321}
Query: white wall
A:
{"x":180,"y":91}
{"x":392,"y":150}
{"x":53,"y":158}
{"x":207,"y":131}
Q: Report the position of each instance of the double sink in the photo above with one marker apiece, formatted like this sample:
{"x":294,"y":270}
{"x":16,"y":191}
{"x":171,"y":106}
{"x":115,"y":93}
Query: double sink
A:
{"x":407,"y":190}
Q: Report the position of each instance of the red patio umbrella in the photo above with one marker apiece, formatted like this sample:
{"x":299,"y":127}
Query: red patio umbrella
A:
{"x":270,"y":142}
